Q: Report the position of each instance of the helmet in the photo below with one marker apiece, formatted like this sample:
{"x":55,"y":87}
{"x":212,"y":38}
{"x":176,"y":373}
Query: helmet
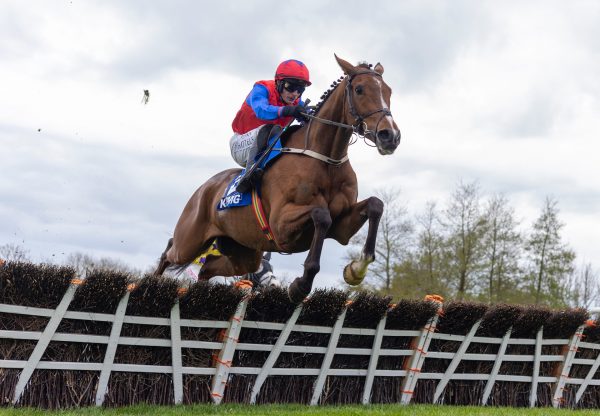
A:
{"x":292,"y":68}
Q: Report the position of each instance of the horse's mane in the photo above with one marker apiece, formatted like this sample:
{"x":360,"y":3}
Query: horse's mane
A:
{"x":335,"y":84}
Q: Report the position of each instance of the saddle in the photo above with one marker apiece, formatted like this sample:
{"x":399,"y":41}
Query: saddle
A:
{"x":232,"y":197}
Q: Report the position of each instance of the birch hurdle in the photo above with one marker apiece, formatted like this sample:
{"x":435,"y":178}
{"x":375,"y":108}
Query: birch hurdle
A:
{"x":225,"y":365}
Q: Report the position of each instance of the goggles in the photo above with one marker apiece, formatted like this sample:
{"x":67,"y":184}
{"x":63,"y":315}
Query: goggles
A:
{"x":292,"y":86}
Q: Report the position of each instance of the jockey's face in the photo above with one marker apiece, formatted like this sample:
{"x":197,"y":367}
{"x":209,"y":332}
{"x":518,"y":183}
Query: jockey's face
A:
{"x":291,"y":91}
{"x":289,"y":97}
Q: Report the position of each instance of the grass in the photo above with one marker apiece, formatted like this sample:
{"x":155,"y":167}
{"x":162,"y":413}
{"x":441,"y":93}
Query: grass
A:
{"x":283,"y":410}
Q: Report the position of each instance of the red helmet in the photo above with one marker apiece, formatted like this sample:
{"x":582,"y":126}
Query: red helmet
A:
{"x":292,"y":68}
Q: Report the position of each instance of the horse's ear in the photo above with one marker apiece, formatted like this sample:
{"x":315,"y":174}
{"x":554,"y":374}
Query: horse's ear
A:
{"x":267,"y":256}
{"x":379,"y":68}
{"x":347,"y":67}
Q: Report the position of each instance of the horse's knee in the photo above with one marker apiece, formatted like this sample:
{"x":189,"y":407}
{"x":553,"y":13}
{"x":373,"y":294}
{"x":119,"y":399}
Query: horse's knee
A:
{"x":321,"y":218}
{"x":311,"y":268}
{"x":375,"y":207}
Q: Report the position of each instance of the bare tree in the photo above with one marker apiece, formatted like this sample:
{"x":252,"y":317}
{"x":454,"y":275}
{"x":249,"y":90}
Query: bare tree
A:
{"x":465,"y":225}
{"x":82,"y":263}
{"x":501,"y":250}
{"x":585,"y":286}
{"x":430,"y":250}
{"x":551,"y":261}
{"x":13,"y":252}
{"x":393,"y":237}
{"x":423,"y":270}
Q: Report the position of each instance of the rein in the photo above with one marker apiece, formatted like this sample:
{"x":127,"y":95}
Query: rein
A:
{"x":359,"y":128}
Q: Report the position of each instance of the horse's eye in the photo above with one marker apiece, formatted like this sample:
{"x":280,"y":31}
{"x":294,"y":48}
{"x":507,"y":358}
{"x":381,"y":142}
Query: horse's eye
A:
{"x":359,"y":90}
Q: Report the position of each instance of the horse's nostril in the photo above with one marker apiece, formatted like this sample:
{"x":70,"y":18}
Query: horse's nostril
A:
{"x":385,"y":135}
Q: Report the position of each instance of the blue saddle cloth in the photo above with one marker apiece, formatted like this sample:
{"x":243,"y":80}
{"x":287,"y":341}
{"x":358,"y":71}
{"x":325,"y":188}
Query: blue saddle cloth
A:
{"x":232,"y":198}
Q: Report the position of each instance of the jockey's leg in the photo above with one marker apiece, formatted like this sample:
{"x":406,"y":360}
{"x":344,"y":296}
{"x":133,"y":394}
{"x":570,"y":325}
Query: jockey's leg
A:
{"x":264,"y":277}
{"x":345,"y":227}
{"x":302,"y":286}
{"x":262,"y":139}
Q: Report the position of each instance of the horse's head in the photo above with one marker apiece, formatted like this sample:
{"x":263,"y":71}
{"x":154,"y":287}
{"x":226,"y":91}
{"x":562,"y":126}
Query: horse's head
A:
{"x":369,"y":105}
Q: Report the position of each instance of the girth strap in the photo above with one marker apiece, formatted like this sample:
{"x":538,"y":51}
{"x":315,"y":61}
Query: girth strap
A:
{"x":261,"y":218}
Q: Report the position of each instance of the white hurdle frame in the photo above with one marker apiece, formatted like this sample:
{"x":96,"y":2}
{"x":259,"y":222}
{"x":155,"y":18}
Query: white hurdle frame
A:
{"x":274,"y":355}
{"x":224,"y":368}
{"x":455,"y":362}
{"x":496,"y":368}
{"x":565,"y":367}
{"x":333,"y":340}
{"x":376,"y":351}
{"x":225,"y":358}
{"x":111,"y":350}
{"x":418,"y":358}
{"x":43,"y":342}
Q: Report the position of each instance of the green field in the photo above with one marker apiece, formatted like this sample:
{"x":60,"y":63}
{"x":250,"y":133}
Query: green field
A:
{"x":297,"y":410}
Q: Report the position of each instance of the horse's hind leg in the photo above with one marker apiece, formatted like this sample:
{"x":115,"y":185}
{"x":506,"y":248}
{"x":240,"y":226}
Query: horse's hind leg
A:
{"x":163,"y":263}
{"x":370,"y":209}
{"x":301,"y":286}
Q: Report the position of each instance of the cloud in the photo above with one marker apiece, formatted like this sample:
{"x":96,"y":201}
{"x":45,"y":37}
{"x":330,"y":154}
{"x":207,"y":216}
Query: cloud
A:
{"x":94,"y":196}
{"x":507,"y":94}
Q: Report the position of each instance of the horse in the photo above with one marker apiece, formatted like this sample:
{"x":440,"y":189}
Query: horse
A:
{"x":308,"y":194}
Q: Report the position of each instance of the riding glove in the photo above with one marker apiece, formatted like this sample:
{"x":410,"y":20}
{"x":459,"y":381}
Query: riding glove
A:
{"x":296,"y":111}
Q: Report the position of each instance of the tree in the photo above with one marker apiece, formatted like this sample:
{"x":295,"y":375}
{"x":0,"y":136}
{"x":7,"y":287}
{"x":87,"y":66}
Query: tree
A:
{"x":423,"y":271}
{"x":393,"y":238}
{"x":502,"y":247}
{"x":465,"y":226}
{"x":584,"y":287}
{"x":13,"y":252}
{"x":82,"y":263}
{"x":551,"y":261}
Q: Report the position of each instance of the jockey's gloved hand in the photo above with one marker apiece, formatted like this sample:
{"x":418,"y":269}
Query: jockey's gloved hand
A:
{"x":296,"y":111}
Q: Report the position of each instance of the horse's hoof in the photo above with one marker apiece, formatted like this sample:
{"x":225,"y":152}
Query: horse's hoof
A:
{"x":352,"y":276}
{"x":297,"y":292}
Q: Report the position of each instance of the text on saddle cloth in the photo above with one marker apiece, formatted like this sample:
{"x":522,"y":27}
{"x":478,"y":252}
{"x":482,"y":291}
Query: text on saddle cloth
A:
{"x":232,"y":198}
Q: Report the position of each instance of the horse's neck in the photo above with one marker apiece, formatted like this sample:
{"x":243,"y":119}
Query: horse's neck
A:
{"x":331,"y":141}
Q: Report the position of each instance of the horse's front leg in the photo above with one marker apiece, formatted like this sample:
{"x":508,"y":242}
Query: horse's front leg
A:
{"x":370,"y":209}
{"x":301,"y":286}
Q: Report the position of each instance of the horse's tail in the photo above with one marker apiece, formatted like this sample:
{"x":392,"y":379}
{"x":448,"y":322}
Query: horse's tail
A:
{"x":178,"y":269}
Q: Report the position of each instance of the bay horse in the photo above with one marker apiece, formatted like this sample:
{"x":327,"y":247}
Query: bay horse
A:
{"x":309,"y":193}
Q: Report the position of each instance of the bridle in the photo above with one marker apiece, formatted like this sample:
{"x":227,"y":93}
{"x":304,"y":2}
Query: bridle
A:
{"x":359,"y":127}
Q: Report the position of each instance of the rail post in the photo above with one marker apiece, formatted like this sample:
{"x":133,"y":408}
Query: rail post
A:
{"x":225,"y":358}
{"x":44,"y":340}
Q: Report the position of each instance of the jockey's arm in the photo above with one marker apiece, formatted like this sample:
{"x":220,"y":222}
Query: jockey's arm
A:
{"x":258,"y":99}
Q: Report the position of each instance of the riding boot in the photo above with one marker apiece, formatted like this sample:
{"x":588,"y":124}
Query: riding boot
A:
{"x":250,"y":178}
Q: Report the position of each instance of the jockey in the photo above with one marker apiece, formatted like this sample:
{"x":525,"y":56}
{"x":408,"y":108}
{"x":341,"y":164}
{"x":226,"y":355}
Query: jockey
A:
{"x":262,"y":278}
{"x":270,"y":106}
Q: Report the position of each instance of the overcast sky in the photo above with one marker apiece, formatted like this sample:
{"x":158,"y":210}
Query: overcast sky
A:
{"x":505,"y":93}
